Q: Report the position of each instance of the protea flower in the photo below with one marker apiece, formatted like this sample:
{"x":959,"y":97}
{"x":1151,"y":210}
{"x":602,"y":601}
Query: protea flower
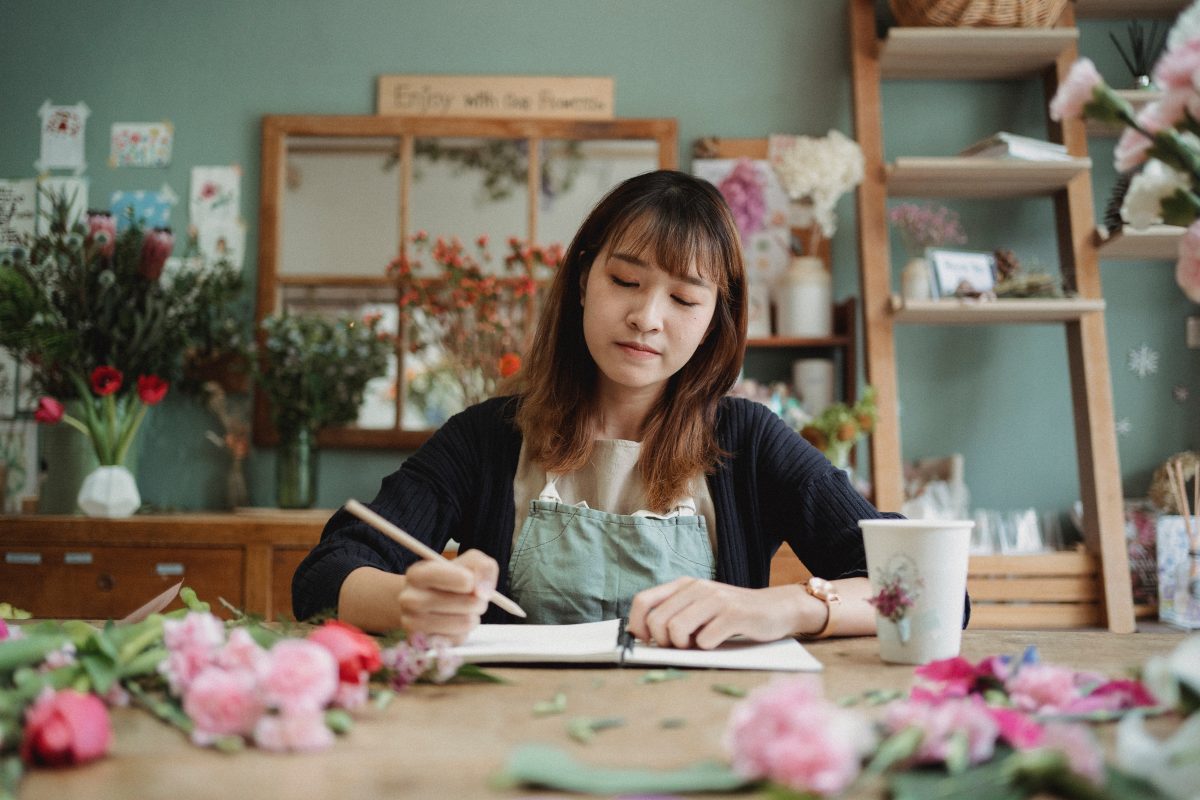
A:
{"x":102,"y":233}
{"x":156,"y":248}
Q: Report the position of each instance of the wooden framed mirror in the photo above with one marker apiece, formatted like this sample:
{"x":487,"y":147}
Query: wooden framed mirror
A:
{"x":343,"y":196}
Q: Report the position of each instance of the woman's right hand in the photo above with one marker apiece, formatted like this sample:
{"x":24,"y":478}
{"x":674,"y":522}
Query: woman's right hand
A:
{"x":448,"y":598}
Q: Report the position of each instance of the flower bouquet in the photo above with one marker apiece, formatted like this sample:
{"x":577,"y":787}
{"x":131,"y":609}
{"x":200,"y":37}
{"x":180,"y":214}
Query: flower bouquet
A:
{"x":464,"y":326}
{"x":923,"y":225}
{"x":1159,"y":142}
{"x":838,"y":428}
{"x":815,"y":172}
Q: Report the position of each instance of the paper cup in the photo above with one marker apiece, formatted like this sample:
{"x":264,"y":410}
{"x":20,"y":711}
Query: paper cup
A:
{"x":918,"y":573}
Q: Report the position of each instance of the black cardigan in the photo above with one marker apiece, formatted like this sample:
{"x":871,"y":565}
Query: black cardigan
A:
{"x":774,"y":487}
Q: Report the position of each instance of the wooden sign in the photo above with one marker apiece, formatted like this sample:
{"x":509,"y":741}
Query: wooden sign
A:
{"x":495,"y":96}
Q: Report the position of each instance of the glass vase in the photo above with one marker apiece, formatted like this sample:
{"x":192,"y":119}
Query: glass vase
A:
{"x":296,"y":469}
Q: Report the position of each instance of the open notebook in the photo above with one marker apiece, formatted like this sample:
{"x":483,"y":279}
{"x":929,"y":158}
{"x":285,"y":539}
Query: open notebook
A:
{"x":600,"y":643}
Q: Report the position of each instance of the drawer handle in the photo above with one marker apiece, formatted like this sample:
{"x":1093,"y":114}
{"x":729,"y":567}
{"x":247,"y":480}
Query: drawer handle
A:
{"x":77,"y":558}
{"x":31,"y":559}
{"x":167,"y":568}
{"x":105,"y":582}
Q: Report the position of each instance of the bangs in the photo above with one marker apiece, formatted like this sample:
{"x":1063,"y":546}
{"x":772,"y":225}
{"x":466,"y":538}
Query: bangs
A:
{"x":673,"y":239}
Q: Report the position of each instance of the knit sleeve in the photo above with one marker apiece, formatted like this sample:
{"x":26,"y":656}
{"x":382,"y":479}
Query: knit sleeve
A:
{"x":427,"y":497}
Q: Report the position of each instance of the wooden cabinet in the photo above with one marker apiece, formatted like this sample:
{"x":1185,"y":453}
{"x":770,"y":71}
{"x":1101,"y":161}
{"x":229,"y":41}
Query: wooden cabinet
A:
{"x":57,"y":566}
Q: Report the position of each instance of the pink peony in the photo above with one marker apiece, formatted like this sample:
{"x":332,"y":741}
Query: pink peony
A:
{"x":1132,"y":150}
{"x":940,"y":722}
{"x":222,"y":703}
{"x":298,"y":675}
{"x":1043,"y":688}
{"x":301,"y":730}
{"x":65,"y":727}
{"x":1187,"y":269}
{"x":1076,"y":91}
{"x":1079,"y":746}
{"x":788,"y":733}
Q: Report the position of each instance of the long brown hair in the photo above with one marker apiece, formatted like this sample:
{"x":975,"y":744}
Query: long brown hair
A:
{"x":677,"y":220}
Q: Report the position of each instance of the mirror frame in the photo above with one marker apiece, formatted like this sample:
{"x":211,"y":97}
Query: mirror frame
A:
{"x":276,"y":129}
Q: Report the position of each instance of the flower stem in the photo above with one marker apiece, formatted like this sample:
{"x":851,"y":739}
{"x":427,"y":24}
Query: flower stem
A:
{"x":127,"y":436}
{"x":110,"y":412}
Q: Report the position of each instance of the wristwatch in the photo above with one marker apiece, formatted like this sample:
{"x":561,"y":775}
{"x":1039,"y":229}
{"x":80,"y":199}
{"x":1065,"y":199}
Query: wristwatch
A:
{"x":826,"y":592}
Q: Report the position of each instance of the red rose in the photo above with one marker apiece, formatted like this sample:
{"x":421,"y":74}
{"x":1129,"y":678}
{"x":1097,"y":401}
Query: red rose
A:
{"x":356,"y":653}
{"x":49,"y":411}
{"x":106,"y":380}
{"x":151,"y":389}
{"x":66,"y":727}
{"x":510,"y":364}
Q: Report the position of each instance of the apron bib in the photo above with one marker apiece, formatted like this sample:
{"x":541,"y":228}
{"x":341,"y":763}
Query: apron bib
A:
{"x":578,"y":564}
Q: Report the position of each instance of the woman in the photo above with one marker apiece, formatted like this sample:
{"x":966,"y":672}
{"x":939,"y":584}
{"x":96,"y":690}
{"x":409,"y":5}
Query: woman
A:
{"x":619,"y":480}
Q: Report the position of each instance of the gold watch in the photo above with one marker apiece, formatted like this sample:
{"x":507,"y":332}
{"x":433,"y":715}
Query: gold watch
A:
{"x":826,"y":592}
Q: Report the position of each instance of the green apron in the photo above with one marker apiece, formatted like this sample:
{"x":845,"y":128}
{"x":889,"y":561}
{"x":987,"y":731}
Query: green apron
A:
{"x":577,"y":564}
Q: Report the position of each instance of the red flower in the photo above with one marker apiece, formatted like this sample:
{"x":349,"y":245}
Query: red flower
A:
{"x":356,"y":653}
{"x":66,"y":727}
{"x":151,"y":389}
{"x":510,"y":364}
{"x":49,"y":411}
{"x":156,"y":249}
{"x":106,"y":380}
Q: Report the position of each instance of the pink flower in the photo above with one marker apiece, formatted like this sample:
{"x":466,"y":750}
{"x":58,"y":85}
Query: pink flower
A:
{"x":1080,"y":748}
{"x":3,"y":629}
{"x":743,"y":190}
{"x":192,"y":644}
{"x":241,"y":652}
{"x":222,"y":703}
{"x":156,"y":248}
{"x":788,"y":733}
{"x":1187,"y":269}
{"x":1019,"y":730}
{"x":1076,"y":91}
{"x":302,"y":730}
{"x":1177,"y":68}
{"x":1043,"y":688}
{"x":298,"y":675}
{"x":102,"y":233}
{"x":49,"y":411}
{"x":1131,"y":151}
{"x":940,"y":723}
{"x":1115,"y":695}
{"x":951,"y":677}
{"x":65,"y":727}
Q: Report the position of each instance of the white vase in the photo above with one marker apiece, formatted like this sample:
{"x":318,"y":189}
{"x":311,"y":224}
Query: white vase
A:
{"x":804,"y":299}
{"x":109,"y":492}
{"x":916,"y":280}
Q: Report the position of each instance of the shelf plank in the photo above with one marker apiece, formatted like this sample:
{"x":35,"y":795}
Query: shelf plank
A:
{"x":959,"y":176}
{"x":1129,"y":9}
{"x":974,"y":312}
{"x":1158,"y":242}
{"x":1138,"y":98}
{"x":972,"y":53}
{"x":783,"y":342}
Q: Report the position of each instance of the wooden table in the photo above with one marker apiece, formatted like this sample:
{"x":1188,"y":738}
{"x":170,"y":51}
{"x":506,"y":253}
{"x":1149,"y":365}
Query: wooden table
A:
{"x":446,"y":741}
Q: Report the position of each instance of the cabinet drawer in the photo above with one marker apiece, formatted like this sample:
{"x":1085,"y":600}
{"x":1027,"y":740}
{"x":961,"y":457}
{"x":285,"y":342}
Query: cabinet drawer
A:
{"x":101,"y":582}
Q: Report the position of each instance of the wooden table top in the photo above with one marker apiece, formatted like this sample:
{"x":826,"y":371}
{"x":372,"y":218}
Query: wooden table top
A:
{"x":447,"y":741}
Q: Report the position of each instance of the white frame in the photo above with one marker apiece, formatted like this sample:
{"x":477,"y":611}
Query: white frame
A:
{"x":952,"y":267}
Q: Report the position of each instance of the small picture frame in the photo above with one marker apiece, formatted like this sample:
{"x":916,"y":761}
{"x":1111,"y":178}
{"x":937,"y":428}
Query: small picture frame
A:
{"x":955,"y":268}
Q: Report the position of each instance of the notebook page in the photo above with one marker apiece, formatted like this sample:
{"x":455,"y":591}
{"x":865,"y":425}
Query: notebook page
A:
{"x":785,"y":655}
{"x":587,"y":642}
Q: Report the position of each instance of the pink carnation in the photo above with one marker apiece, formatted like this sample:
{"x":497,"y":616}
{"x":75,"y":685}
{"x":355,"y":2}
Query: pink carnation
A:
{"x":939,"y":723}
{"x":241,"y":652}
{"x":1187,"y":269}
{"x":192,"y":644}
{"x":1080,"y":748}
{"x":1076,"y":91}
{"x":298,"y":675}
{"x":1177,"y":69}
{"x":302,"y":730}
{"x":1019,"y":730}
{"x":788,"y":733}
{"x":1043,"y":688}
{"x":222,"y":703}
{"x":1132,"y":150}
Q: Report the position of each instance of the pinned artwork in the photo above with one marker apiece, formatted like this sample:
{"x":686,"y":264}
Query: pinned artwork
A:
{"x":141,"y":144}
{"x":73,"y":189}
{"x":151,"y":208}
{"x":62,"y":137}
{"x":215,"y":195}
{"x":18,"y":210}
{"x":9,"y":376}
{"x":760,"y":207}
{"x":223,"y":241}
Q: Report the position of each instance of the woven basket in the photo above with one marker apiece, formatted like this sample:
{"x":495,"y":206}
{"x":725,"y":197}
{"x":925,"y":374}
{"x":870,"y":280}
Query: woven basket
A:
{"x":978,"y":13}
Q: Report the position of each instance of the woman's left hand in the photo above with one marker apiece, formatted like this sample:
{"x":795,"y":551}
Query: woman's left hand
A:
{"x":690,"y":612}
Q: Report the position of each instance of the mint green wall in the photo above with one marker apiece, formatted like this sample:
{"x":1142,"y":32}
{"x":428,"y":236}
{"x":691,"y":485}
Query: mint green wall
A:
{"x":998,"y":395}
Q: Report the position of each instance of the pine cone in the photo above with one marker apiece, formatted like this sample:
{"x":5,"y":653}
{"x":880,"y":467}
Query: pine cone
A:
{"x":1007,"y":264}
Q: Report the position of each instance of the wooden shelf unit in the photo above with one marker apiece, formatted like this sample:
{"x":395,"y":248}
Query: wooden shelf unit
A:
{"x":1156,"y":243}
{"x":994,"y":54}
{"x":955,"y":311}
{"x":1138,"y":98}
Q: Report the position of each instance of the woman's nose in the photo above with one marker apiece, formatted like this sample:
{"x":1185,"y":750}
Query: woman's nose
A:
{"x":646,"y":314}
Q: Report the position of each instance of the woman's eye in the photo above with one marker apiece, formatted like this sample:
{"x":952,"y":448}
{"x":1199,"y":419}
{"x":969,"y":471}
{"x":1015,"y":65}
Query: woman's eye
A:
{"x":621,"y":283}
{"x":681,"y":301}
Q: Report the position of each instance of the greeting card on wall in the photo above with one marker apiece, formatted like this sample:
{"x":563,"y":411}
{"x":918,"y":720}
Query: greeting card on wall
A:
{"x":760,"y":208}
{"x":18,"y":210}
{"x":8,"y":384}
{"x":151,"y":208}
{"x":62,"y":137}
{"x":18,"y":453}
{"x":223,"y":241}
{"x":141,"y":144}
{"x":215,"y":195}
{"x":74,"y":190}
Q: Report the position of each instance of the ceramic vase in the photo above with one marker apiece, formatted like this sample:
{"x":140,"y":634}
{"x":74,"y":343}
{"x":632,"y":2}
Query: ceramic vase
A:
{"x":916,"y":280}
{"x":109,"y":491}
{"x":296,"y":469}
{"x":804,"y":299}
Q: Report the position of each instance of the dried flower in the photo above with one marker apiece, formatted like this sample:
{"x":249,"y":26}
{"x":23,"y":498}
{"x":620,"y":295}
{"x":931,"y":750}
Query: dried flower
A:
{"x":742,"y":189}
{"x":926,"y":225}
{"x":817,"y":172}
{"x":838,"y":427}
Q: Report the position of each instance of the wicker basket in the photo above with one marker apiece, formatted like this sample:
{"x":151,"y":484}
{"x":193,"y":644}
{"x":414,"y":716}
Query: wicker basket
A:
{"x":978,"y":13}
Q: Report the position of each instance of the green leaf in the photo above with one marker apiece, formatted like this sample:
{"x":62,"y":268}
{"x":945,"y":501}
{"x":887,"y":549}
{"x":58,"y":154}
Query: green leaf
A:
{"x":28,"y":650}
{"x":473,"y":673}
{"x":338,"y":721}
{"x":101,"y":671}
{"x":193,"y":603}
{"x":958,"y":753}
{"x":729,"y":689}
{"x":898,"y":747}
{"x":10,"y":776}
{"x":583,"y":729}
{"x":661,"y":675}
{"x":990,"y":781}
{"x":538,"y":765}
{"x":384,"y":698}
{"x":229,"y":744}
{"x":145,"y":663}
{"x":555,"y":705}
{"x":671,"y":723}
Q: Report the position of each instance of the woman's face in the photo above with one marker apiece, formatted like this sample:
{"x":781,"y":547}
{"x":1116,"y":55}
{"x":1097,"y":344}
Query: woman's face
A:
{"x":640,"y":323}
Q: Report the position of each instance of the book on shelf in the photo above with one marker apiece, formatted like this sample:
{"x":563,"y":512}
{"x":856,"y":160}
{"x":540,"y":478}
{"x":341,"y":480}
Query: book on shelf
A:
{"x":607,"y":642}
{"x":1023,"y":148}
